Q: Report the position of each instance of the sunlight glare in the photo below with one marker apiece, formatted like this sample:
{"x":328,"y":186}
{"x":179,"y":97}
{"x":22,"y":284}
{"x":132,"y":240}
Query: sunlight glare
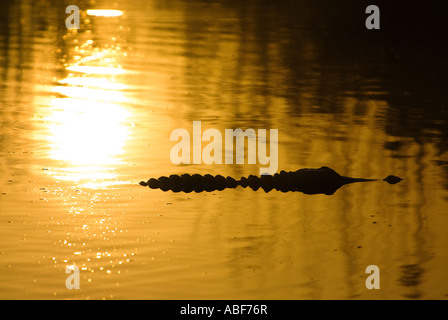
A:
{"x":104,"y":13}
{"x":102,"y":83}
{"x":87,"y":132}
{"x":96,"y":70}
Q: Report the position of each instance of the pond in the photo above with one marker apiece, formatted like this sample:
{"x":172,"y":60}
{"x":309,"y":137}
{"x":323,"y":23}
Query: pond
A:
{"x":86,"y":114}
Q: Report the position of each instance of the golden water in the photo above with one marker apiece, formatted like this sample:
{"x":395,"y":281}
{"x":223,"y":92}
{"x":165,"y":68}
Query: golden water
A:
{"x":86,"y":115}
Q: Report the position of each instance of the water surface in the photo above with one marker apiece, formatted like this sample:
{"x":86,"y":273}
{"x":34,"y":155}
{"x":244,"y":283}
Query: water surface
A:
{"x":86,"y":114}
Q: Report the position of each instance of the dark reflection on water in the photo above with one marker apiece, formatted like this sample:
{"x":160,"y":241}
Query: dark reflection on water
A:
{"x":367,"y":103}
{"x":412,"y":277}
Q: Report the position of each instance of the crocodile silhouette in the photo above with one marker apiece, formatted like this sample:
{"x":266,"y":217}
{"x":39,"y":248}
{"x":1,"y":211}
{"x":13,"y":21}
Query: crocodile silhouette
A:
{"x":309,"y":181}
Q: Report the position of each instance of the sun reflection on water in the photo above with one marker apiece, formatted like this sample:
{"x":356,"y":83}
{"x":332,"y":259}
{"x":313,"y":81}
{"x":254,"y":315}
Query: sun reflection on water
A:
{"x":87,"y":133}
{"x":88,"y":123}
{"x":104,"y":12}
{"x":96,"y":70}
